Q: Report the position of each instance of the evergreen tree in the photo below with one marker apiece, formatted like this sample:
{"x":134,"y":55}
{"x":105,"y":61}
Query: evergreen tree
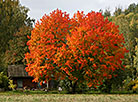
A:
{"x":118,"y":11}
{"x":107,"y":13}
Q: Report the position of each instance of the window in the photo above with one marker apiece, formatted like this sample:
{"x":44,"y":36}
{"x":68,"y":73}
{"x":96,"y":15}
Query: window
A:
{"x":19,"y":83}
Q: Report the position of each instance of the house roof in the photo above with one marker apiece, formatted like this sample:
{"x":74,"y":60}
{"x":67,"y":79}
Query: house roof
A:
{"x":17,"y":71}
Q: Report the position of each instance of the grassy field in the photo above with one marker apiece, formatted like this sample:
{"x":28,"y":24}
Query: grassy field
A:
{"x":25,"y":97}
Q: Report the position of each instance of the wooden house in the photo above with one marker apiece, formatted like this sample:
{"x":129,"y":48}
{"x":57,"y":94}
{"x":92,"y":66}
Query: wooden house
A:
{"x":20,"y":77}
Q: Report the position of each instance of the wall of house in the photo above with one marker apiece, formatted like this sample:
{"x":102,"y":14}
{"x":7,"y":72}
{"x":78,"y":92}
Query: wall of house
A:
{"x":28,"y":84}
{"x":26,"y":81}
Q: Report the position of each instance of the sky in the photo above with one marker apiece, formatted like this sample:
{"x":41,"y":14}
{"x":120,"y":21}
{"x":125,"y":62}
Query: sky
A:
{"x":40,"y":7}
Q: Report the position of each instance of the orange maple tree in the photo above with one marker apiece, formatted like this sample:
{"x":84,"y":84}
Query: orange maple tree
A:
{"x":85,"y":47}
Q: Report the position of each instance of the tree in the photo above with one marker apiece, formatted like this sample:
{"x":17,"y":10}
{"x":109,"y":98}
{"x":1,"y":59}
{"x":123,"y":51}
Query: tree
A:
{"x":107,"y":13}
{"x":136,"y":58}
{"x":84,"y":48}
{"x":118,"y":11}
{"x":133,"y":83}
{"x":132,"y":8}
{"x":128,"y":25}
{"x":101,"y":11}
{"x":17,"y":46}
{"x":12,"y":17}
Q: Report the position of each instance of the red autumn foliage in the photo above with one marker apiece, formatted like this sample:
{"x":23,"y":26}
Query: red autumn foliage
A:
{"x":85,"y":47}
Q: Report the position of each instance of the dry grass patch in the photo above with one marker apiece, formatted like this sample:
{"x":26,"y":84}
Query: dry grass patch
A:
{"x":68,"y":98}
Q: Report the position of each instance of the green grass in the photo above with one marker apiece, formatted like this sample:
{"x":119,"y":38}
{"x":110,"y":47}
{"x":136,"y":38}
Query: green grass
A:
{"x":39,"y":96}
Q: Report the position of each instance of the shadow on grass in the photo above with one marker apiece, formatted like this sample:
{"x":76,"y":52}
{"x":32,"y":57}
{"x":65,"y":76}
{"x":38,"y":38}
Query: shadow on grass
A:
{"x":64,"y":92}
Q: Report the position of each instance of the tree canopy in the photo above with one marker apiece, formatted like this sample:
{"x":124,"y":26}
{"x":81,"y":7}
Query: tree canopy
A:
{"x":85,"y":47}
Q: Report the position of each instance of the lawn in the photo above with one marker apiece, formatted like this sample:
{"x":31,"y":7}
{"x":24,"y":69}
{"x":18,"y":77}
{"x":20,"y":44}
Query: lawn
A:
{"x":25,"y":97}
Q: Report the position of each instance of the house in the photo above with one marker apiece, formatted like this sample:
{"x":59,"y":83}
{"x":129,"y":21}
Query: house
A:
{"x":20,"y":77}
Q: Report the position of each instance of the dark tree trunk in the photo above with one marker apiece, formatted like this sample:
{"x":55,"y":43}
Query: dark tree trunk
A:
{"x":74,"y":88}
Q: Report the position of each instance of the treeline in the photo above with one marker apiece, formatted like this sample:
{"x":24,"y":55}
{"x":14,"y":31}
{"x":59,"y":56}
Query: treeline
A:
{"x":15,"y":31}
{"x":127,"y":20}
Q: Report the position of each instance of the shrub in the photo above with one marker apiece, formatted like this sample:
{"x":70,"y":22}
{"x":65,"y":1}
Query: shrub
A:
{"x":11,"y":85}
{"x":3,"y":81}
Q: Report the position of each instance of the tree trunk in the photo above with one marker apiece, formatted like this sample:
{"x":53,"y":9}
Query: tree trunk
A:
{"x":74,"y":88}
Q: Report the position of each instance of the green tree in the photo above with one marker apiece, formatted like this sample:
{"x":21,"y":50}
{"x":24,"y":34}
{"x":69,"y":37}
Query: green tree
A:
{"x":17,"y":46}
{"x":131,"y":8}
{"x":12,"y":17}
{"x":118,"y":11}
{"x":107,"y":13}
{"x":128,"y":25}
{"x":136,"y":57}
{"x":132,"y":84}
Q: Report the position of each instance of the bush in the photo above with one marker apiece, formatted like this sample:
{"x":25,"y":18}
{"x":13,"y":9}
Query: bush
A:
{"x":3,"y":81}
{"x":11,"y":85}
{"x":132,"y":85}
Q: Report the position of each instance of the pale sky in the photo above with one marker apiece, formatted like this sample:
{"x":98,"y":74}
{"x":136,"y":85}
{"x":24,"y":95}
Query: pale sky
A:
{"x":40,"y":7}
